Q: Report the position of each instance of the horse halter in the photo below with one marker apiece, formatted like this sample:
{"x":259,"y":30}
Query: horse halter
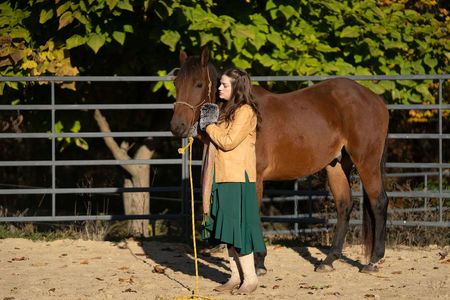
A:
{"x":194,"y":108}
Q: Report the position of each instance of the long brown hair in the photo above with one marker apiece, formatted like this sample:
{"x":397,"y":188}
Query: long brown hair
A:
{"x":241,"y":93}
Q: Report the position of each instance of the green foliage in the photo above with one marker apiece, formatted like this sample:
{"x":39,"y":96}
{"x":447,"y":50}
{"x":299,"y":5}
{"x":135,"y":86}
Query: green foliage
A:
{"x":27,"y":28}
{"x":321,"y":38}
{"x":76,"y":127}
{"x":20,"y":53}
{"x":315,"y":37}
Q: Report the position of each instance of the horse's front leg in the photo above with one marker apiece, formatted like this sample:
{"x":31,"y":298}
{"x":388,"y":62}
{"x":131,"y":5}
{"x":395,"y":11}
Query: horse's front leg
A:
{"x":340,"y":188}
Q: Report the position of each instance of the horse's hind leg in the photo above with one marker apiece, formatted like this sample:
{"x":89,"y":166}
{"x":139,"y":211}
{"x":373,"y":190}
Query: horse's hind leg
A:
{"x":375,"y":214}
{"x":374,"y":209}
{"x":339,"y":183}
{"x":260,"y":256}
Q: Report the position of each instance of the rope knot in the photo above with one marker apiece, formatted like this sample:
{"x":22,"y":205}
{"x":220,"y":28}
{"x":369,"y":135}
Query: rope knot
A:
{"x":182,"y":150}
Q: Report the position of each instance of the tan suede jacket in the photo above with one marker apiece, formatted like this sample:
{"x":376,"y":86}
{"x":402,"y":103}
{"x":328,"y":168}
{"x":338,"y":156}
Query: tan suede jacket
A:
{"x":235,"y":144}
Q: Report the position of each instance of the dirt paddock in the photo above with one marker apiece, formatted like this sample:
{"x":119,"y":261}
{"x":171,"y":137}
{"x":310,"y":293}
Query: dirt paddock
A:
{"x":77,"y":269}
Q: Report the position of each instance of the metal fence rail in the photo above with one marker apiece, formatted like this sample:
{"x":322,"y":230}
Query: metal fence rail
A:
{"x":289,"y":195}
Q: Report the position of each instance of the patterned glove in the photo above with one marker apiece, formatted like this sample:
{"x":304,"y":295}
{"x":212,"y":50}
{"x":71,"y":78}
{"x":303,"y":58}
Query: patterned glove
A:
{"x":193,"y":130}
{"x":209,"y":114}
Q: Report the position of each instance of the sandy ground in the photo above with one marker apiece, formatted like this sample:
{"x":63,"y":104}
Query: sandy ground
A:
{"x":77,"y":269}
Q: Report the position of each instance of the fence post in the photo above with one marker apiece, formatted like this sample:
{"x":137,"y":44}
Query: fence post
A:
{"x":296,"y":207}
{"x":440,"y":153}
{"x":53,"y":150}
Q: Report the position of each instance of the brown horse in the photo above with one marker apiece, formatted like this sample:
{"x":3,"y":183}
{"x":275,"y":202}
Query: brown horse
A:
{"x":335,"y":124}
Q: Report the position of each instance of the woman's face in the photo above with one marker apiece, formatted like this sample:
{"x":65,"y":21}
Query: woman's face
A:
{"x":225,"y":88}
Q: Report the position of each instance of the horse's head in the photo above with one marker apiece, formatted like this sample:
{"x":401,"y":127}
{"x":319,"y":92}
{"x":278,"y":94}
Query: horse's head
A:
{"x":195,"y":85}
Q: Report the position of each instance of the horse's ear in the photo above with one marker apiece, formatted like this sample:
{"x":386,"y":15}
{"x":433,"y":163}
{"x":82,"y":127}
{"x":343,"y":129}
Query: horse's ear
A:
{"x":183,"y":56}
{"x":204,"y":56}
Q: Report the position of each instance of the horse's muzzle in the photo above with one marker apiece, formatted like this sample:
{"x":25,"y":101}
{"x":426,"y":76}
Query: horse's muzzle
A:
{"x":179,"y":128}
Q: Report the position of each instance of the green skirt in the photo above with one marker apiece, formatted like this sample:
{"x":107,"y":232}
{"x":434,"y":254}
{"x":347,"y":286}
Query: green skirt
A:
{"x":234,"y":217}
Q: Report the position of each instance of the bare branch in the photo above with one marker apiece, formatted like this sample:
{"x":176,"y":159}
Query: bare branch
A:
{"x":119,"y":153}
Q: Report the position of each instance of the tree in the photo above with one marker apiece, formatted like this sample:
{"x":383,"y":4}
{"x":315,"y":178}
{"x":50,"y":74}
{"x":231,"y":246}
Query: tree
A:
{"x":134,"y":203}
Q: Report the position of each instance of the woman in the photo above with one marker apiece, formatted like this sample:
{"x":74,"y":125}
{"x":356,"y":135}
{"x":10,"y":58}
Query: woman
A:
{"x":234,"y":210}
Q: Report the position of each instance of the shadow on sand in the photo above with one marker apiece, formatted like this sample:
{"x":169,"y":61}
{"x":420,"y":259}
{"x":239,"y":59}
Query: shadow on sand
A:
{"x":179,"y":257}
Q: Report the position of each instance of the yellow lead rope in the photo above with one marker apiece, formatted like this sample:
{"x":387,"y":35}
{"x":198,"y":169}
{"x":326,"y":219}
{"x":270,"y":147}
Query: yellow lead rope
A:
{"x":195,"y":293}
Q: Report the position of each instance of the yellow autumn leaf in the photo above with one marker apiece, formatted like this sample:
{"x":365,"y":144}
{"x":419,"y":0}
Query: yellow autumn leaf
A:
{"x":71,"y":86}
{"x":43,"y":55}
{"x":30,"y":64}
{"x":58,"y":54}
{"x":50,"y":55}
{"x":50,"y":45}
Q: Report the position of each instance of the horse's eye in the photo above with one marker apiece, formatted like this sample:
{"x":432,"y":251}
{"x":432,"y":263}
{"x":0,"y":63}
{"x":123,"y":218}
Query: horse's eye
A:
{"x":199,"y":85}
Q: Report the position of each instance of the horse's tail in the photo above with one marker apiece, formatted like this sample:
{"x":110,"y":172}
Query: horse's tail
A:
{"x":368,"y":224}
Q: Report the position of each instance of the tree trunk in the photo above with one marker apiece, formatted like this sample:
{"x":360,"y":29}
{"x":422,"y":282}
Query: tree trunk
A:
{"x":139,"y":202}
{"x":134,"y":203}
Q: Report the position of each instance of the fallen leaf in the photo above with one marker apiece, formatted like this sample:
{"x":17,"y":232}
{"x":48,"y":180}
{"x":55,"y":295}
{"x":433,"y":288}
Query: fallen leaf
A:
{"x":140,"y":254}
{"x":333,"y":294}
{"x":99,"y":279}
{"x":435,"y":268}
{"x":263,"y":286}
{"x":123,"y":268}
{"x":369,"y":296}
{"x":127,"y":280}
{"x":64,"y":254}
{"x":275,"y":287}
{"x":158,"y":269}
{"x":39,"y":264}
{"x":313,"y":287}
{"x":21,"y":258}
{"x":84,"y":262}
{"x":122,"y":245}
{"x":397,"y":272}
{"x":443,"y":255}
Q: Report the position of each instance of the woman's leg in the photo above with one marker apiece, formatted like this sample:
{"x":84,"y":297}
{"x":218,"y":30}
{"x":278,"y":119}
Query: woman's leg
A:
{"x":235,"y":279}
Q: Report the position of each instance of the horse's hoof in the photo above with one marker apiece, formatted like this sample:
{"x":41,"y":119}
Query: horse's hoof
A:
{"x":370,"y":268}
{"x":324,"y":268}
{"x":261,"y":271}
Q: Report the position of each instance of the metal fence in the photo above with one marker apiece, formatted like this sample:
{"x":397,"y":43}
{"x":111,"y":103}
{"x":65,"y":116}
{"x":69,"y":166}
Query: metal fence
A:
{"x":294,"y":195}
